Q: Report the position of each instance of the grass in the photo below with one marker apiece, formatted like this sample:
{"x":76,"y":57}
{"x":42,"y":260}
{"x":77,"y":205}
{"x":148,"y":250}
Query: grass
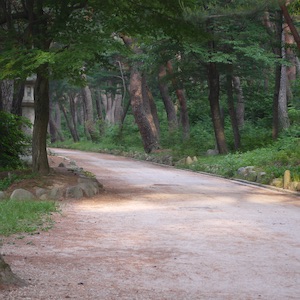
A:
{"x":25,"y":216}
{"x":273,"y":159}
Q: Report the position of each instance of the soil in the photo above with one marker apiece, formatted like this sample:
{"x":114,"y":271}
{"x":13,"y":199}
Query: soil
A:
{"x":161,"y":233}
{"x":59,"y":176}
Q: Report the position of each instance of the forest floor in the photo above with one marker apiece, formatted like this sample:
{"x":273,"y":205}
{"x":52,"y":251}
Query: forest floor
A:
{"x":160,"y":233}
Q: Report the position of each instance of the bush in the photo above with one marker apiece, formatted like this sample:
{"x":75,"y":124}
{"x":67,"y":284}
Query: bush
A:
{"x":13,"y":141}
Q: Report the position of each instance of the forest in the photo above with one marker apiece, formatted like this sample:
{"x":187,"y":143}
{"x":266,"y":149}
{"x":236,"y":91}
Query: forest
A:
{"x":216,"y":81}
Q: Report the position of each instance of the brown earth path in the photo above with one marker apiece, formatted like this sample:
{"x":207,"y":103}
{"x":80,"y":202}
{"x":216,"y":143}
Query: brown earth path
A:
{"x":161,"y":233}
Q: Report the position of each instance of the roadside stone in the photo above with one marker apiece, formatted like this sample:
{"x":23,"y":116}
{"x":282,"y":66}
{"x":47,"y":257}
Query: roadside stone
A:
{"x":195,"y":159}
{"x":21,"y":194}
{"x":286,"y":179}
{"x":40,"y":191}
{"x":277,"y":182}
{"x":74,"y":192}
{"x":89,"y":189}
{"x":56,"y":193}
{"x":261,"y":176}
{"x":93,"y":181}
{"x":242,"y":171}
{"x":212,"y":152}
{"x":188,"y":160}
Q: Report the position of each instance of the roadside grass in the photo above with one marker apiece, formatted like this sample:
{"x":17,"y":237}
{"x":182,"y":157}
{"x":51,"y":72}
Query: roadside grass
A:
{"x":273,"y":159}
{"x":25,"y":216}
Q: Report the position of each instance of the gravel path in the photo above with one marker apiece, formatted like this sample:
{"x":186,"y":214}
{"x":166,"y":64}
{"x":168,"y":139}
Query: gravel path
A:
{"x":161,"y":233}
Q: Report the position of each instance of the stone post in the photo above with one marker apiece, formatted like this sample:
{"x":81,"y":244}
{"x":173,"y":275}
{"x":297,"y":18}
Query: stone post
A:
{"x":28,"y":102}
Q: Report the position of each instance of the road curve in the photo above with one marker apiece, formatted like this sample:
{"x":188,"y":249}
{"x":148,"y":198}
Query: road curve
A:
{"x":161,"y":233}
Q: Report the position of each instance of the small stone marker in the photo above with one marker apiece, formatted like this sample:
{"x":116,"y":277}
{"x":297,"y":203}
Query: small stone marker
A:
{"x":286,"y":179}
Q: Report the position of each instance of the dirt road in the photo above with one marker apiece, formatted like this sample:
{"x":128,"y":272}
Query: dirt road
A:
{"x":161,"y":233}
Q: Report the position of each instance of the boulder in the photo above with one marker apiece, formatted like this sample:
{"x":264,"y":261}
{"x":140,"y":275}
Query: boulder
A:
{"x":40,"y":191}
{"x":188,"y":160}
{"x":277,"y":182}
{"x":211,"y":152}
{"x":56,"y":193}
{"x":74,"y":192}
{"x":21,"y":194}
{"x":89,"y":189}
{"x":2,"y":195}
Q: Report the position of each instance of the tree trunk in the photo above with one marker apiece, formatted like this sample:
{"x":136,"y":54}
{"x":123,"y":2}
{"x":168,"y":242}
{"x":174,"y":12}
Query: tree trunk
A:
{"x":290,"y":23}
{"x":89,"y":113}
{"x":168,"y":103}
{"x":240,"y":106}
{"x":41,"y":105}
{"x":283,"y":117}
{"x":146,"y":127}
{"x":69,"y":124}
{"x":232,"y":113}
{"x":72,"y":102}
{"x":7,"y":277}
{"x":141,"y":107}
{"x":149,"y":105}
{"x":7,"y":93}
{"x":214,"y":90}
{"x":278,"y":53}
{"x":18,"y":99}
{"x":184,"y":117}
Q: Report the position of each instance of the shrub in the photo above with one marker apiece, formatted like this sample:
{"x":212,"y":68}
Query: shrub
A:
{"x":13,"y":141}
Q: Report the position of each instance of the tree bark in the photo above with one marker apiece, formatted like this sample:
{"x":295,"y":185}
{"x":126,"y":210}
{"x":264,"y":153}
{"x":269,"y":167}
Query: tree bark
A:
{"x":290,"y":23}
{"x":41,"y":106}
{"x":89,"y":122}
{"x":141,"y":107}
{"x":240,"y":106}
{"x":283,"y":117}
{"x":278,"y":52}
{"x":214,"y":90}
{"x":146,"y":127}
{"x":69,"y":124}
{"x":168,"y":103}
{"x":232,"y":113}
{"x":184,"y":117}
{"x":18,"y":99}
{"x":149,"y":105}
{"x":7,"y":93}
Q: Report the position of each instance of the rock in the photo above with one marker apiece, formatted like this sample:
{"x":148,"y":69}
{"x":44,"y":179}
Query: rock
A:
{"x":21,"y":194}
{"x":211,"y":152}
{"x":61,"y":165}
{"x":242,"y":171}
{"x":56,"y":193}
{"x":74,"y":192}
{"x":89,"y":189}
{"x":195,"y":159}
{"x":40,"y":191}
{"x":188,"y":160}
{"x":286,"y":179}
{"x":261,"y":176}
{"x":277,"y":182}
{"x":181,"y":162}
{"x":94,"y":181}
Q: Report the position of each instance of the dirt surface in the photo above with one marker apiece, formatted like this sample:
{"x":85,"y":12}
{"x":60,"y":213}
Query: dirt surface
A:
{"x":161,"y":233}
{"x":59,"y":176}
